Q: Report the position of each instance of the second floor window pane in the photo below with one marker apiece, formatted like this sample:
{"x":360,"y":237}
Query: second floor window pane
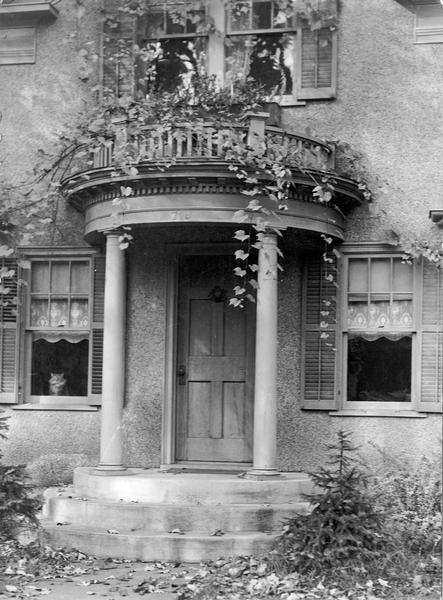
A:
{"x":266,"y":58}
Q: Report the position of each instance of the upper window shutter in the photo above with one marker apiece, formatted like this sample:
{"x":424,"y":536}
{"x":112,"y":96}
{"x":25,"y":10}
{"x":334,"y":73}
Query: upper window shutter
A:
{"x":431,"y":347}
{"x":8,"y":333}
{"x":319,"y":334}
{"x":118,"y":38}
{"x":317,"y":62}
{"x":96,"y":370}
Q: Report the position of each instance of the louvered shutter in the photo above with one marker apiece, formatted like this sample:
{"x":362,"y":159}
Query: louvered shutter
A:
{"x":8,"y":332}
{"x":319,"y":334}
{"x":317,"y":63}
{"x":96,"y":369}
{"x":118,"y":38}
{"x":431,"y":347}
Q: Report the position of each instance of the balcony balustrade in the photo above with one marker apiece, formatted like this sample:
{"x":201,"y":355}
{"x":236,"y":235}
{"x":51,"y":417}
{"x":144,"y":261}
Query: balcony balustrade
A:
{"x":185,"y":142}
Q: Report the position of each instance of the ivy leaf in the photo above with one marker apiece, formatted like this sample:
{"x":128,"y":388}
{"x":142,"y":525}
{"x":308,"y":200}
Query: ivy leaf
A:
{"x":238,"y":290}
{"x":241,"y":255}
{"x":241,"y":235}
{"x":239,"y":272}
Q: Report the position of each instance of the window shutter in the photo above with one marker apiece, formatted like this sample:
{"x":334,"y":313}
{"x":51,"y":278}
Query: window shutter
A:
{"x":8,"y":333}
{"x":118,"y":38}
{"x":320,"y":335}
{"x":96,"y":369}
{"x":317,"y":63}
{"x":431,"y":347}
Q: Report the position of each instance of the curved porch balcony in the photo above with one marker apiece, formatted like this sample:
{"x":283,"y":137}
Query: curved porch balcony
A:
{"x":182,"y":175}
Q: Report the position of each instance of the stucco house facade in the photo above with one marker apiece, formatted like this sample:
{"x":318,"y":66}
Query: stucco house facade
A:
{"x":135,"y":357}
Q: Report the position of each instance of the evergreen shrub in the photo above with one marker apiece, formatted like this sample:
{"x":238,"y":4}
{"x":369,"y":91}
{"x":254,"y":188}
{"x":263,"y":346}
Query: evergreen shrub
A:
{"x":345,"y":529}
{"x":18,"y":505}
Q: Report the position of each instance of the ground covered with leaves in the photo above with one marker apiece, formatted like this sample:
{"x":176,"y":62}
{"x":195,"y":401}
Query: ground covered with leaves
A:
{"x":37,"y":570}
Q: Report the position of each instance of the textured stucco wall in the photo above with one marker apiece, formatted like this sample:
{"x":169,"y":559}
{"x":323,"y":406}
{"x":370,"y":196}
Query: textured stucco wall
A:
{"x":34,"y":433}
{"x":40,"y":101}
{"x":388,"y":110}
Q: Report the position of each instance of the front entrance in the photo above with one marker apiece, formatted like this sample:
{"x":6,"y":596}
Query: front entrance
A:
{"x":215,"y":364}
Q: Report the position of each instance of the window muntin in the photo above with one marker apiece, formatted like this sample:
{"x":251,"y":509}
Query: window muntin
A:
{"x":59,"y":295}
{"x":248,"y":16}
{"x":379,"y":295}
{"x":379,"y":332}
{"x":59,"y":322}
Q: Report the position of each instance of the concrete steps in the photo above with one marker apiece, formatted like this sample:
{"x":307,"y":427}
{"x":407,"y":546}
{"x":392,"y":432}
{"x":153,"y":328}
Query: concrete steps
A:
{"x":164,"y":516}
{"x":153,"y":547}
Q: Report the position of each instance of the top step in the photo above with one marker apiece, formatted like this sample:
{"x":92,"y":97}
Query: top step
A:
{"x":150,"y":485}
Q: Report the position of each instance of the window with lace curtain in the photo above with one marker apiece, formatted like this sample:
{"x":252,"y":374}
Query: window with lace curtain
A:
{"x":64,"y":329}
{"x":379,"y":331}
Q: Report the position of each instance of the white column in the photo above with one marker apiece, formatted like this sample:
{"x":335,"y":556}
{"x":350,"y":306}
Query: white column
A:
{"x":113,"y":356}
{"x":265,"y":392}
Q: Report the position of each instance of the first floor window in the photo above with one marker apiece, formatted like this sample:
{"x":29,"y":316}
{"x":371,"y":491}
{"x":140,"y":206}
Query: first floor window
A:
{"x":64,"y":329}
{"x":378,"y":329}
{"x":373,"y":332}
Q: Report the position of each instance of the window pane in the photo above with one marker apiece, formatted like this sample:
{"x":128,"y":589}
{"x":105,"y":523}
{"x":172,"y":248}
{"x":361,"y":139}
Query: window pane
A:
{"x":174,"y":63}
{"x":358,"y":276}
{"x":58,"y":314}
{"x":241,"y":15}
{"x":154,"y":25}
{"x":60,"y":278}
{"x":266,"y":58}
{"x":380,"y":275}
{"x":80,"y":278}
{"x":175,"y":20}
{"x":262,"y":15}
{"x":39,"y":313}
{"x":379,"y":370}
{"x":79,"y":316}
{"x":59,"y":368}
{"x":379,"y":315}
{"x":40,"y":277}
{"x":402,"y":276}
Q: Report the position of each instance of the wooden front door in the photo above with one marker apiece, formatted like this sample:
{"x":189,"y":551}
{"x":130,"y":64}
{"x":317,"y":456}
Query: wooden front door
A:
{"x":214,"y":364}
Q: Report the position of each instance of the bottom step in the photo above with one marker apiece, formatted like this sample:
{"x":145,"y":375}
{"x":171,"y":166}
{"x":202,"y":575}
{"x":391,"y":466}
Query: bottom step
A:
{"x":162,"y":547}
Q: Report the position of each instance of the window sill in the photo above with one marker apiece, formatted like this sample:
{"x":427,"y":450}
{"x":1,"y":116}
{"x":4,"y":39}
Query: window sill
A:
{"x":68,"y":407}
{"x":378,"y":413}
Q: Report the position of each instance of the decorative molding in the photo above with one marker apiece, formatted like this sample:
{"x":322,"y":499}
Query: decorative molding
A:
{"x":28,"y":9}
{"x":17,"y":45}
{"x":436,"y":217}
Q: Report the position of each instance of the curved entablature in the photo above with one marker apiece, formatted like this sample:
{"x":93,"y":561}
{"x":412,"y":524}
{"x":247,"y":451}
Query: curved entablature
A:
{"x":200,"y":194}
{"x":199,"y":187}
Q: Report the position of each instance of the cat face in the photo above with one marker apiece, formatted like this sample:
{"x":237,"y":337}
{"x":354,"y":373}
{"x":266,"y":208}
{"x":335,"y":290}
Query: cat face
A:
{"x":57,"y":383}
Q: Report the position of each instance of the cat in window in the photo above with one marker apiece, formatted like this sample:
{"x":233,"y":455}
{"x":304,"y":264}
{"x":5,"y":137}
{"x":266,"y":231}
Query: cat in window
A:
{"x":57,"y":384}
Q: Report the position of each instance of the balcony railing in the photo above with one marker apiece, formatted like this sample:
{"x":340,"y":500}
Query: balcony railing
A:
{"x":209,"y":143}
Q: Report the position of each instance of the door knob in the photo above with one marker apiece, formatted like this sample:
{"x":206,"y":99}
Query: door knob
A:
{"x":181,"y":372}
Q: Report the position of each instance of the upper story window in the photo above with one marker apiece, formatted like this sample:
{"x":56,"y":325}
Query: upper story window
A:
{"x":234,"y":41}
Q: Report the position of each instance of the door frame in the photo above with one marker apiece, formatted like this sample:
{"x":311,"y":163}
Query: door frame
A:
{"x":174,"y":252}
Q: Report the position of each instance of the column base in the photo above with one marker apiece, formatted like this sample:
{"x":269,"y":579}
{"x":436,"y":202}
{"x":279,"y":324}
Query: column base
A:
{"x":111,"y":468}
{"x":262,"y":474}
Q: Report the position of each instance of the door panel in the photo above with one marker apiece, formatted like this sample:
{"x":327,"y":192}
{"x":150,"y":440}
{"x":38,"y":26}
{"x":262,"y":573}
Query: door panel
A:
{"x":215,"y":362}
